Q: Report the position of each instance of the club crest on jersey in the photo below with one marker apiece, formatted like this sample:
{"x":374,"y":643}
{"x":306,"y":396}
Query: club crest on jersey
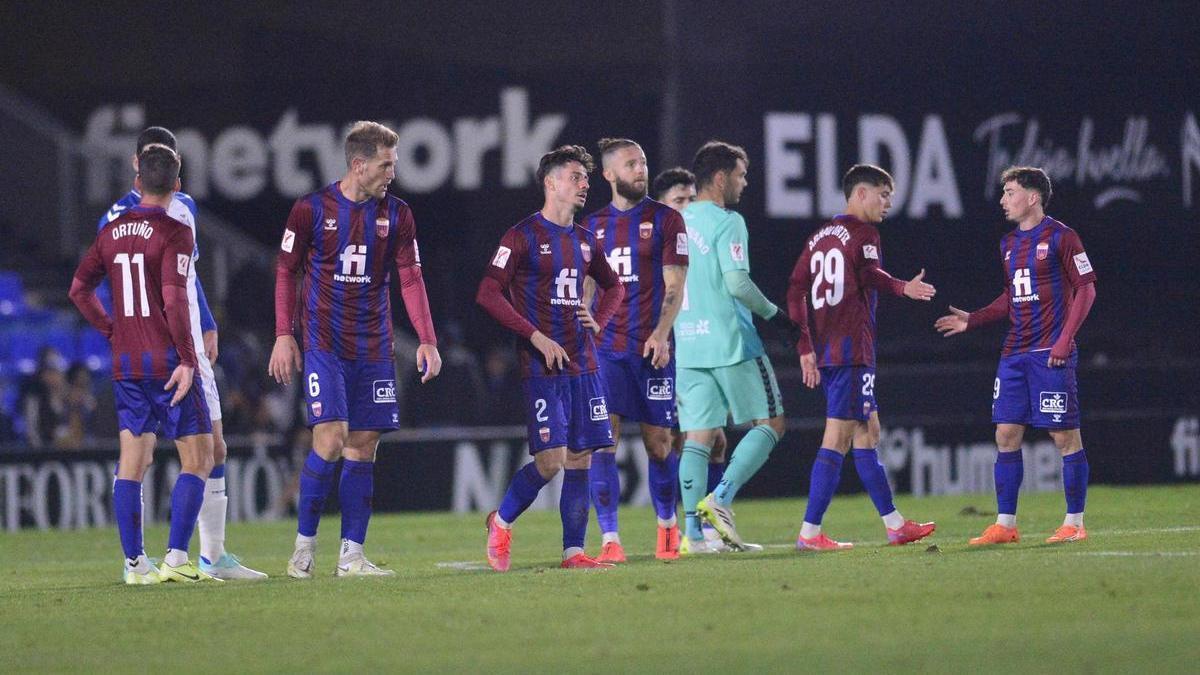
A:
{"x":382,"y":225}
{"x":645,"y":230}
{"x":544,"y":434}
{"x":1043,"y":250}
{"x":331,"y":223}
{"x":544,"y":249}
{"x":587,"y":252}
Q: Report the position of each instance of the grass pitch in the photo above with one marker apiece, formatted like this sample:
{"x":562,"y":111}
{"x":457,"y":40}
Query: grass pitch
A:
{"x":1127,"y":599}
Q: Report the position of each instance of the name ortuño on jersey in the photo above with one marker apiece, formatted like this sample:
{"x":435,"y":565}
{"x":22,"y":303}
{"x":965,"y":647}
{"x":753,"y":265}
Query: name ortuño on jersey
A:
{"x":638,"y":243}
{"x":542,"y":266}
{"x":344,"y":252}
{"x":140,"y":252}
{"x":1043,"y":267}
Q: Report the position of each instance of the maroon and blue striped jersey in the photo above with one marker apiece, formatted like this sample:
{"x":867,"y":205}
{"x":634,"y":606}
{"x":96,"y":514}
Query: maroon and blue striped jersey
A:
{"x":344,"y":252}
{"x":542,"y":265}
{"x":638,"y":243}
{"x":1042,"y":267}
{"x":141,"y":253}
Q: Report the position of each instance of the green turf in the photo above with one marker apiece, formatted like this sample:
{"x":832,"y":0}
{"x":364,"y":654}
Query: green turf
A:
{"x":1126,"y":599}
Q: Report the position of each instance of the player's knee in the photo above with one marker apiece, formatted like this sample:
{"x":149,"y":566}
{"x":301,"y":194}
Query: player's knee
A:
{"x":220,"y":450}
{"x":1008,"y":438}
{"x":779,"y":426}
{"x":550,"y":462}
{"x":658,"y":443}
{"x":1067,"y":442}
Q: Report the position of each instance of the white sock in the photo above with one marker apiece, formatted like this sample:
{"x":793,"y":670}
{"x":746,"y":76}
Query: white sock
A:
{"x":893,"y":520}
{"x":350,"y":550}
{"x":175,"y":557}
{"x":306,"y":542}
{"x":670,"y":522}
{"x":1006,"y":519}
{"x":571,"y":552}
{"x":211,"y":522}
{"x":1074,"y":520}
{"x":139,"y":564}
{"x":808,"y":530}
{"x":610,"y":536}
{"x":500,"y":522}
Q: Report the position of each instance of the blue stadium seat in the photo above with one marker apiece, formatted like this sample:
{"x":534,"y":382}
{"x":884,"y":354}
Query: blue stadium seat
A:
{"x":12,"y":294}
{"x":94,"y":350}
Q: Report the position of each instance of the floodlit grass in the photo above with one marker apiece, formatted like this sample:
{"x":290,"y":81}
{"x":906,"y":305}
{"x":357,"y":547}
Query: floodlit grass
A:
{"x":1127,"y":599}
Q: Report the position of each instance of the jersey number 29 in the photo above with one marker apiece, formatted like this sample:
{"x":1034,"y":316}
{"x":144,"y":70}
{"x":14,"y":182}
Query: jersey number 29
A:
{"x":828,"y":270}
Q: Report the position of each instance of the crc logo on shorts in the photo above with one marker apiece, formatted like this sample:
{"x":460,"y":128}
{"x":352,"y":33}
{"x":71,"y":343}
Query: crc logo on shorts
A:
{"x":385,"y":391}
{"x":1052,"y":402}
{"x":660,"y":389}
{"x":599,"y":408}
{"x":544,"y":434}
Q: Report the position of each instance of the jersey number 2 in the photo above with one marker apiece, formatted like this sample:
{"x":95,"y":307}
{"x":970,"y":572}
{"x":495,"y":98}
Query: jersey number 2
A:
{"x":828,"y":270}
{"x":126,"y":262}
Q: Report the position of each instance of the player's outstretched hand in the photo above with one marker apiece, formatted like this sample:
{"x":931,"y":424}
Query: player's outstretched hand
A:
{"x":181,"y":382}
{"x":808,"y":366}
{"x":285,"y":358}
{"x":917,"y":289}
{"x":429,"y":362}
{"x":210,"y":345}
{"x":658,"y":349}
{"x":556,"y":357}
{"x":588,"y":321}
{"x":953,"y":323}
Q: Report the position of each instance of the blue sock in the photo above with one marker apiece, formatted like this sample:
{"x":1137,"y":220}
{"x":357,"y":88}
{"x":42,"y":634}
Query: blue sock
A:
{"x":316,"y":479}
{"x":1009,"y":470}
{"x":524,"y":488}
{"x":1075,"y":480}
{"x":573,"y":507}
{"x":715,"y":471}
{"x":605,"y":483}
{"x":355,"y":490}
{"x":127,"y":509}
{"x":664,"y":483}
{"x":874,"y":479}
{"x":218,"y":471}
{"x":691,"y":526}
{"x":827,"y":469}
{"x":186,"y":498}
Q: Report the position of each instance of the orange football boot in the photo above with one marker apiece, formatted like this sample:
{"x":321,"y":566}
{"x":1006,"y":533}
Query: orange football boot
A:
{"x":667,"y":546}
{"x":580,"y":561}
{"x":612,"y":552}
{"x":1067,"y":533}
{"x":996,"y":534}
{"x":499,"y":541}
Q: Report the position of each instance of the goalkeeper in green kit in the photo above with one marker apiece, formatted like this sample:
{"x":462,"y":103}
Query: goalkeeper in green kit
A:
{"x":722,"y":368}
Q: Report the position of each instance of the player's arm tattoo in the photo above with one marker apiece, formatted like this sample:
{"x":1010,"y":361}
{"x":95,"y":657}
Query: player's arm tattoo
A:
{"x":674,"y":277}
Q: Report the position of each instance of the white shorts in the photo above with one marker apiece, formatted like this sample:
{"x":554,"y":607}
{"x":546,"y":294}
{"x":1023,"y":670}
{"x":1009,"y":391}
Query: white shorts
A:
{"x":210,"y":385}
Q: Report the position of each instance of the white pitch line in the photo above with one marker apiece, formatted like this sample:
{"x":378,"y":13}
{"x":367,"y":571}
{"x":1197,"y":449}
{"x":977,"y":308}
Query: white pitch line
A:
{"x":462,"y":565}
{"x":1139,"y":554}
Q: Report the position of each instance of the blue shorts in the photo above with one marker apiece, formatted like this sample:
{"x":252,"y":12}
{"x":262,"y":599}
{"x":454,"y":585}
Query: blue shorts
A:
{"x":143,"y":406}
{"x":849,"y":392}
{"x":359,"y":391}
{"x":570,"y":410}
{"x":637,"y":390}
{"x":1029,"y":392}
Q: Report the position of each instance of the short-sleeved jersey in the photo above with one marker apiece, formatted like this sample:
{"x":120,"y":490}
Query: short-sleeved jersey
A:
{"x":831,"y":270}
{"x":712,"y":328}
{"x":542,"y":266}
{"x":140,"y":252}
{"x":344,"y":252}
{"x":1042,"y":268}
{"x":638,"y":244}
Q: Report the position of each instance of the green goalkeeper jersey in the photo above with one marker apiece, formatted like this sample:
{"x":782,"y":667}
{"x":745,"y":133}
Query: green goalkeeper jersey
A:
{"x":713,"y":329}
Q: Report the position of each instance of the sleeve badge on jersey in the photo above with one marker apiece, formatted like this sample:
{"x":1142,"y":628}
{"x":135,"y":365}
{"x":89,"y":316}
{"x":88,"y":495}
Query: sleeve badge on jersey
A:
{"x":381,"y":227}
{"x":586,"y":250}
{"x":737,"y":251}
{"x":870,"y":252}
{"x":645,"y":229}
{"x":681,"y":243}
{"x":501,"y":258}
{"x":1082,"y":264}
{"x":289,"y":240}
{"x":182,"y":260}
{"x":416,"y":252}
{"x":1043,"y":250}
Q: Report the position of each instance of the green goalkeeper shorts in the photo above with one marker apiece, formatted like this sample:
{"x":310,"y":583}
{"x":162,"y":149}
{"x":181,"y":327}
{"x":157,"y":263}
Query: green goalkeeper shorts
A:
{"x":747,"y":390}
